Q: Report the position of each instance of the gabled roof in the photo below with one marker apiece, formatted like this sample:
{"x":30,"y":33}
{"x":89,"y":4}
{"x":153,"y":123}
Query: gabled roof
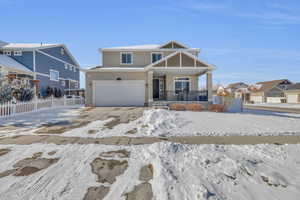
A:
{"x":151,"y":47}
{"x":36,"y":46}
{"x":147,"y":46}
{"x":234,"y":85}
{"x":172,"y":43}
{"x":183,"y":52}
{"x":11,"y":64}
{"x":2,"y":43}
{"x":295,"y":86}
{"x":27,"y":45}
{"x":268,"y":85}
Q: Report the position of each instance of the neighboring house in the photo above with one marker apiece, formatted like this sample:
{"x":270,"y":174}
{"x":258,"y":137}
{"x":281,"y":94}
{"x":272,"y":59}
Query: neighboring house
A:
{"x":140,"y":75}
{"x":292,"y":93}
{"x":239,"y":90}
{"x":52,"y":64}
{"x":269,"y":91}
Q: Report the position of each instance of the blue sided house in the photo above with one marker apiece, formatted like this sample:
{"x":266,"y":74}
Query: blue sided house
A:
{"x":52,"y":64}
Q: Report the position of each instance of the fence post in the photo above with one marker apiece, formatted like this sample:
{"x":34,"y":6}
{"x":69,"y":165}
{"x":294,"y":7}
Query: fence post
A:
{"x":14,"y":108}
{"x":35,"y":103}
{"x":65,"y":101}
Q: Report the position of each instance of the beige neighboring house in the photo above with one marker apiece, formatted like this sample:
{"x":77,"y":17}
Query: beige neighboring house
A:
{"x":145,"y":74}
{"x":269,"y":91}
{"x":292,"y":93}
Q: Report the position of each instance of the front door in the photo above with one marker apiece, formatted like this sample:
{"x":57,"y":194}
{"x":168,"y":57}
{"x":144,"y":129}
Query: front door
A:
{"x":155,"y":88}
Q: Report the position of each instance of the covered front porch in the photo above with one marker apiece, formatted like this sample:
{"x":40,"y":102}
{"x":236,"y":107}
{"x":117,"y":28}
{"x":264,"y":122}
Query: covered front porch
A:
{"x":179,"y":85}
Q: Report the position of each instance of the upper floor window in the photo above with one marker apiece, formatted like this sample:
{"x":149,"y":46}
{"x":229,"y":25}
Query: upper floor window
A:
{"x":71,"y":68}
{"x":66,"y":66}
{"x":8,"y":53}
{"x":62,"y":51}
{"x":63,"y":83}
{"x":17,"y":53}
{"x":76,"y":85}
{"x":126,"y":58}
{"x":74,"y":69}
{"x":54,"y":75}
{"x":155,"y":57}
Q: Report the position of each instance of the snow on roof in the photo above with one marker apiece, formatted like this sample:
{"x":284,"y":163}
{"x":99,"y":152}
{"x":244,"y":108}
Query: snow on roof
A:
{"x":27,"y":45}
{"x":2,"y":43}
{"x":8,"y":62}
{"x":147,"y":46}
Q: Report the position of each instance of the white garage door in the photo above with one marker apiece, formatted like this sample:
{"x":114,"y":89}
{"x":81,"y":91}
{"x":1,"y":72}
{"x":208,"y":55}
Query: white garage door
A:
{"x":292,"y":98}
{"x":119,"y":93}
{"x":257,"y":99}
{"x":274,"y":99}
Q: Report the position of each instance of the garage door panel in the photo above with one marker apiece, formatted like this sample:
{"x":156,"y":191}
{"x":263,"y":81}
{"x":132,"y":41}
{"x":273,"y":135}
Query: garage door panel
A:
{"x":119,"y":93}
{"x":257,"y":99}
{"x":292,"y":98}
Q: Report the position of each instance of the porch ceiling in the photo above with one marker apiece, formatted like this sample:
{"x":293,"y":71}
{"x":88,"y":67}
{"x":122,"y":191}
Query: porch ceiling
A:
{"x":180,"y":71}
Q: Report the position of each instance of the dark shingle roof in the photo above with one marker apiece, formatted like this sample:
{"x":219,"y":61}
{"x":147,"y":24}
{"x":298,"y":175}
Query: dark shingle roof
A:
{"x":295,"y":86}
{"x":268,"y":85}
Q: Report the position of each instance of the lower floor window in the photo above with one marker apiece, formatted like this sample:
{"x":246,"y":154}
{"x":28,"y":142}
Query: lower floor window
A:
{"x":54,"y":75}
{"x":182,"y":85}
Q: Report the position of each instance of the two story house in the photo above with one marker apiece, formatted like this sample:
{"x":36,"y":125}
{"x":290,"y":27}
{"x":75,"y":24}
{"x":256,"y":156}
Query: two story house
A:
{"x":52,"y":64}
{"x":140,"y":75}
{"x":269,"y":91}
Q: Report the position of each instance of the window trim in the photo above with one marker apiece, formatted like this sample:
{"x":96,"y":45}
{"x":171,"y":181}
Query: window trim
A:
{"x":121,"y":53}
{"x":189,"y":81}
{"x":18,"y":53}
{"x":7,"y":53}
{"x":52,"y":70}
{"x":151,"y":58}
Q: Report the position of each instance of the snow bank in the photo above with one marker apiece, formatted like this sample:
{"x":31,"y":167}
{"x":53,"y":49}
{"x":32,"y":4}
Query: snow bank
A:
{"x":180,"y":171}
{"x":160,"y":122}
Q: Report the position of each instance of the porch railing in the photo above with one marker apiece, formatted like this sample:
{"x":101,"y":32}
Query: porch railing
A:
{"x":183,"y":96}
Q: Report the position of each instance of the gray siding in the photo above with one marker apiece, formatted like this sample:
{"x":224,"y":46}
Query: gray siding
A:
{"x":26,"y":59}
{"x":56,"y":52}
{"x":45,"y":63}
{"x":45,"y":82}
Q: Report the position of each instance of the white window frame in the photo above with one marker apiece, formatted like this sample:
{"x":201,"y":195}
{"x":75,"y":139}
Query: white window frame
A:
{"x":51,"y":78}
{"x":66,"y":66}
{"x":75,"y":69}
{"x":121,"y":53}
{"x":6,"y":52}
{"x":62,"y":51}
{"x":17,"y":53}
{"x":63,"y":83}
{"x":161,"y":53}
{"x":71,"y":67}
{"x":174,"y":82}
{"x":76,"y":85}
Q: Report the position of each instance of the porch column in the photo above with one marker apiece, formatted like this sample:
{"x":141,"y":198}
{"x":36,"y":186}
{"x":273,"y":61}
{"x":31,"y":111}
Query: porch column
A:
{"x":150,"y":88}
{"x":209,"y":85}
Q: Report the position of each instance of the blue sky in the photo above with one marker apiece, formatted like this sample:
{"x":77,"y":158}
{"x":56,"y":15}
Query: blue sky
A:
{"x":248,"y":40}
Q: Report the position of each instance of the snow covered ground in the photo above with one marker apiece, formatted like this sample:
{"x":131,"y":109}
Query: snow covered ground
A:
{"x":158,"y":122}
{"x":187,"y":172}
{"x":43,"y":116}
{"x":164,"y":123}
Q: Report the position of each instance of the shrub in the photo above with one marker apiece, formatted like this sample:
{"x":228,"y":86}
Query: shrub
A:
{"x":216,"y":108}
{"x":178,"y":107}
{"x":194,"y":107}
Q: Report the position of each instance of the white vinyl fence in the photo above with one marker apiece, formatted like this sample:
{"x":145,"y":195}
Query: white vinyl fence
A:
{"x":11,"y":108}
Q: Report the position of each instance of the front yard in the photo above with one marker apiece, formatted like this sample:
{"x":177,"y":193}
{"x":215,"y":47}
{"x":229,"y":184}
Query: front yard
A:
{"x":47,"y":167}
